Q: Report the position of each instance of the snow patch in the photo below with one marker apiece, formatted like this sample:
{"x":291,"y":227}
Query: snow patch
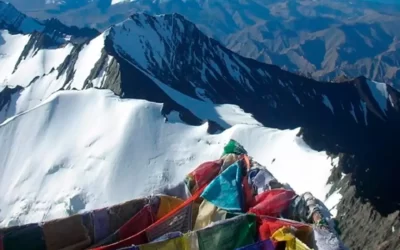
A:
{"x":215,"y":66}
{"x":352,"y":112}
{"x":380,"y":94}
{"x":118,"y":1}
{"x":225,"y":115}
{"x":365,"y":111}
{"x":10,"y":50}
{"x":264,"y":73}
{"x":290,"y":159}
{"x":297,"y":98}
{"x":332,"y":201}
{"x":232,"y":67}
{"x":180,"y":24}
{"x":327,"y":103}
{"x":242,"y":64}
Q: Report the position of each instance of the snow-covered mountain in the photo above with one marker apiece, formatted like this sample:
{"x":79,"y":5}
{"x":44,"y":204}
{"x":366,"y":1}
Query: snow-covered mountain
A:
{"x":190,"y":95}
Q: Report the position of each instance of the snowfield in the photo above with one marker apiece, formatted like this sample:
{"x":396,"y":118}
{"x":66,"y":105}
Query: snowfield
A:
{"x":81,"y":150}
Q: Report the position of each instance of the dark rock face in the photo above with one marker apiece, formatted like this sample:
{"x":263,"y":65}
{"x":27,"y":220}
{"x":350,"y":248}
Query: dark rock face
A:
{"x":67,"y":66}
{"x":368,"y":213}
{"x":56,"y":28}
{"x":5,"y":95}
{"x":362,"y":226}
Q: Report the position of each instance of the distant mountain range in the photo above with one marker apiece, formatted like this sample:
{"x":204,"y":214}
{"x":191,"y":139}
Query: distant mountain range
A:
{"x":320,"y":39}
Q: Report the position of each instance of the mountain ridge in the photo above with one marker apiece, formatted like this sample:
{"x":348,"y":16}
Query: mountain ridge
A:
{"x":356,"y":119}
